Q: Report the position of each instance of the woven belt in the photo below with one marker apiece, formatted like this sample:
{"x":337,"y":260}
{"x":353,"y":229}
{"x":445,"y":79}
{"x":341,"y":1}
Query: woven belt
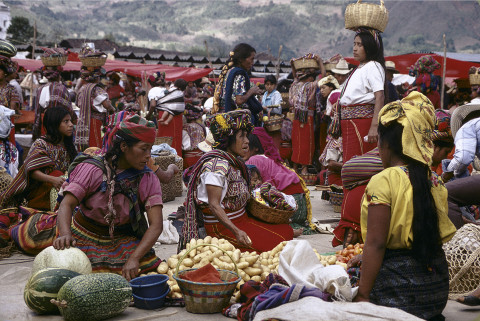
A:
{"x":357,"y":111}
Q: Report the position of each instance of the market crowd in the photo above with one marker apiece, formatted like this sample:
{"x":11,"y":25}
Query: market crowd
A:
{"x":403,"y":164}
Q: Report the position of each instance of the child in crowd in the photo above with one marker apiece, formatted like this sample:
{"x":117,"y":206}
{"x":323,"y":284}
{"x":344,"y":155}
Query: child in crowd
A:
{"x":255,"y":177}
{"x":271,"y":98}
{"x":172,"y":103}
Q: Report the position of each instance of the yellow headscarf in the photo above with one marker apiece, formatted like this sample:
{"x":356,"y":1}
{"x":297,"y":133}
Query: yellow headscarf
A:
{"x":417,"y":116}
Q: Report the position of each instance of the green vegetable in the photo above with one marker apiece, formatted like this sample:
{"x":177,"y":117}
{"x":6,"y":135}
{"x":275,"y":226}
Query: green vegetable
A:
{"x":44,"y":286}
{"x":96,"y":296}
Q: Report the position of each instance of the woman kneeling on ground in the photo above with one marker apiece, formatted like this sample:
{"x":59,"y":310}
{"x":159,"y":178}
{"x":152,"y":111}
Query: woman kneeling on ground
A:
{"x":404,"y":217}
{"x":47,"y":160}
{"x":218,"y":191}
{"x":102,"y":212}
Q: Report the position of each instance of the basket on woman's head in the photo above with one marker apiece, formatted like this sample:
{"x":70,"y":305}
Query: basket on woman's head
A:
{"x":53,"y":57}
{"x":91,"y":58}
{"x":368,"y":15}
{"x":306,"y":62}
{"x":474,"y":76}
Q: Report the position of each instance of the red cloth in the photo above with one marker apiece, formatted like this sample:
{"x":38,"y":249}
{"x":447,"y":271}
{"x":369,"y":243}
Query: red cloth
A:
{"x":264,"y":236}
{"x":334,"y":178}
{"x":293,"y":189}
{"x":435,"y":98}
{"x":11,"y":137}
{"x":322,"y":136}
{"x":285,"y":150}
{"x":351,"y":206}
{"x":303,"y":142}
{"x":39,"y":198}
{"x":353,"y":143}
{"x":206,"y":274}
{"x":115,"y":92}
{"x":95,"y":138}
{"x":173,"y":129}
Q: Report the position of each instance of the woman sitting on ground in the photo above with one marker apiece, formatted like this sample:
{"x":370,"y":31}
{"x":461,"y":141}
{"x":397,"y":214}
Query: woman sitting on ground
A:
{"x":218,"y":191}
{"x":102,"y":212}
{"x":266,"y":158}
{"x":47,"y":160}
{"x":404,"y":216}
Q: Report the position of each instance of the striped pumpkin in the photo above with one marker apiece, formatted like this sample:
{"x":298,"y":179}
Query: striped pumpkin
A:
{"x":44,"y":286}
{"x":7,"y":49}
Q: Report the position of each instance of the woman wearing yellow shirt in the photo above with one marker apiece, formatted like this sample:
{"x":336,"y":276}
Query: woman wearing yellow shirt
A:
{"x":404,"y":216}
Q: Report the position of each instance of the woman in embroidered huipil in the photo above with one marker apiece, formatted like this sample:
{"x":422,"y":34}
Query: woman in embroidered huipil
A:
{"x":218,"y":191}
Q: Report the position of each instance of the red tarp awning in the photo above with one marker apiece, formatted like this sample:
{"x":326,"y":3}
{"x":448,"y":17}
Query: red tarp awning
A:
{"x":455,"y":68}
{"x":130,"y":68}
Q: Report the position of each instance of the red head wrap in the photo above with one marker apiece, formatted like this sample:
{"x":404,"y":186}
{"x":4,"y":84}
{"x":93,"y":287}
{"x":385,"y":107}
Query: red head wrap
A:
{"x":139,"y":128}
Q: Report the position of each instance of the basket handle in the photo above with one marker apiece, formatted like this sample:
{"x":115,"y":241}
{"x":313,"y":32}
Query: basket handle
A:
{"x":198,"y":245}
{"x":382,"y":4}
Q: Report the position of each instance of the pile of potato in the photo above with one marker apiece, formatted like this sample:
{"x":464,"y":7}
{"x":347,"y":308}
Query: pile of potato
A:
{"x":251,"y":265}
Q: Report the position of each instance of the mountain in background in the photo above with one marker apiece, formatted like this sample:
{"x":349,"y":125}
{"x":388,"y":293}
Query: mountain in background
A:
{"x":300,"y":26}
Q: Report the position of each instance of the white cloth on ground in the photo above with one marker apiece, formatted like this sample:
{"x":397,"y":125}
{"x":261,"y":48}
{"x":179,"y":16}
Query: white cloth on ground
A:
{"x":169,"y":234}
{"x":315,"y":309}
{"x":299,"y":265}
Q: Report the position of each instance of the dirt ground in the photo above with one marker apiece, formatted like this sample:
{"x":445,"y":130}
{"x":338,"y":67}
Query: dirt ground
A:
{"x":14,"y":272}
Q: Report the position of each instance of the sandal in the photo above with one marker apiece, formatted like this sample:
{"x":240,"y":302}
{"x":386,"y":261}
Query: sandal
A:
{"x":470,"y":300}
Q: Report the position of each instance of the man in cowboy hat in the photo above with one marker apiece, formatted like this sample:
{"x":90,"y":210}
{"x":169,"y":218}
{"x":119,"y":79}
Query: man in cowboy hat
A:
{"x":392,"y":90}
{"x":341,"y":71}
{"x":465,"y":191}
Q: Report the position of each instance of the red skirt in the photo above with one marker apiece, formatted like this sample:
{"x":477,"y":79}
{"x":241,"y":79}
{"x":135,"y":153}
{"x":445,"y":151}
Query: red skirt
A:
{"x":95,"y":139}
{"x":303,"y":142}
{"x":11,"y":137}
{"x":285,"y":150}
{"x":173,"y":129}
{"x":191,"y":157}
{"x":264,"y":236}
{"x":350,"y":217}
{"x":353,"y":131}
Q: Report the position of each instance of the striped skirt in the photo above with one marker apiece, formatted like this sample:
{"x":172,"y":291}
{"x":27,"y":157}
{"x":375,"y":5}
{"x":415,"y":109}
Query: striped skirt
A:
{"x":105,"y":254}
{"x":404,"y":283}
{"x":38,"y":230}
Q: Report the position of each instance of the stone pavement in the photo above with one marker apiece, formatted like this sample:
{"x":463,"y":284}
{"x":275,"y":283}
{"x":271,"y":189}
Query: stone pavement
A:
{"x":15,"y":271}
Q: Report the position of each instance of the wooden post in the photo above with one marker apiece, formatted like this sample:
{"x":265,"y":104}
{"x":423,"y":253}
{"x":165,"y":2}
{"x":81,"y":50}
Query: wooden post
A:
{"x":33,"y":57}
{"x":210,"y":61}
{"x":442,"y":92}
{"x":277,"y":67}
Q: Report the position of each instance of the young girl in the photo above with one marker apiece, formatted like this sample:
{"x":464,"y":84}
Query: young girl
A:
{"x":47,"y":161}
{"x":271,"y":98}
{"x":404,"y":216}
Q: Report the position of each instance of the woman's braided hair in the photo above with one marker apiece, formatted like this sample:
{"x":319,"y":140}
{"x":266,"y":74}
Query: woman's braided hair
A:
{"x":241,"y":51}
{"x":111,"y":159}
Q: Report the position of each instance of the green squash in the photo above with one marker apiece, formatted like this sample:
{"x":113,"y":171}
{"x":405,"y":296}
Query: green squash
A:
{"x":95,"y":296}
{"x":44,"y":286}
{"x":7,"y":49}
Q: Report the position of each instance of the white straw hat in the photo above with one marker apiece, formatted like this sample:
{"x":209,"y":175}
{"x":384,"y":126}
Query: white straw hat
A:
{"x":459,"y":116}
{"x":341,"y":68}
{"x":390,"y":65}
{"x":206,"y":145}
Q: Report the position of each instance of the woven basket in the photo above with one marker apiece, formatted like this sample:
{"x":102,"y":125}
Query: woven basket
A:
{"x":474,"y":78}
{"x":463,"y":256}
{"x":329,"y":66}
{"x":93,"y":61}
{"x":368,"y":15}
{"x":310,"y":179}
{"x":175,"y":187}
{"x":163,"y":140}
{"x":207,"y":297}
{"x":5,"y":180}
{"x":285,"y":101}
{"x":52,"y":61}
{"x":274,"y":123}
{"x":305,"y":63}
{"x":336,"y":200}
{"x":267,"y":213}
